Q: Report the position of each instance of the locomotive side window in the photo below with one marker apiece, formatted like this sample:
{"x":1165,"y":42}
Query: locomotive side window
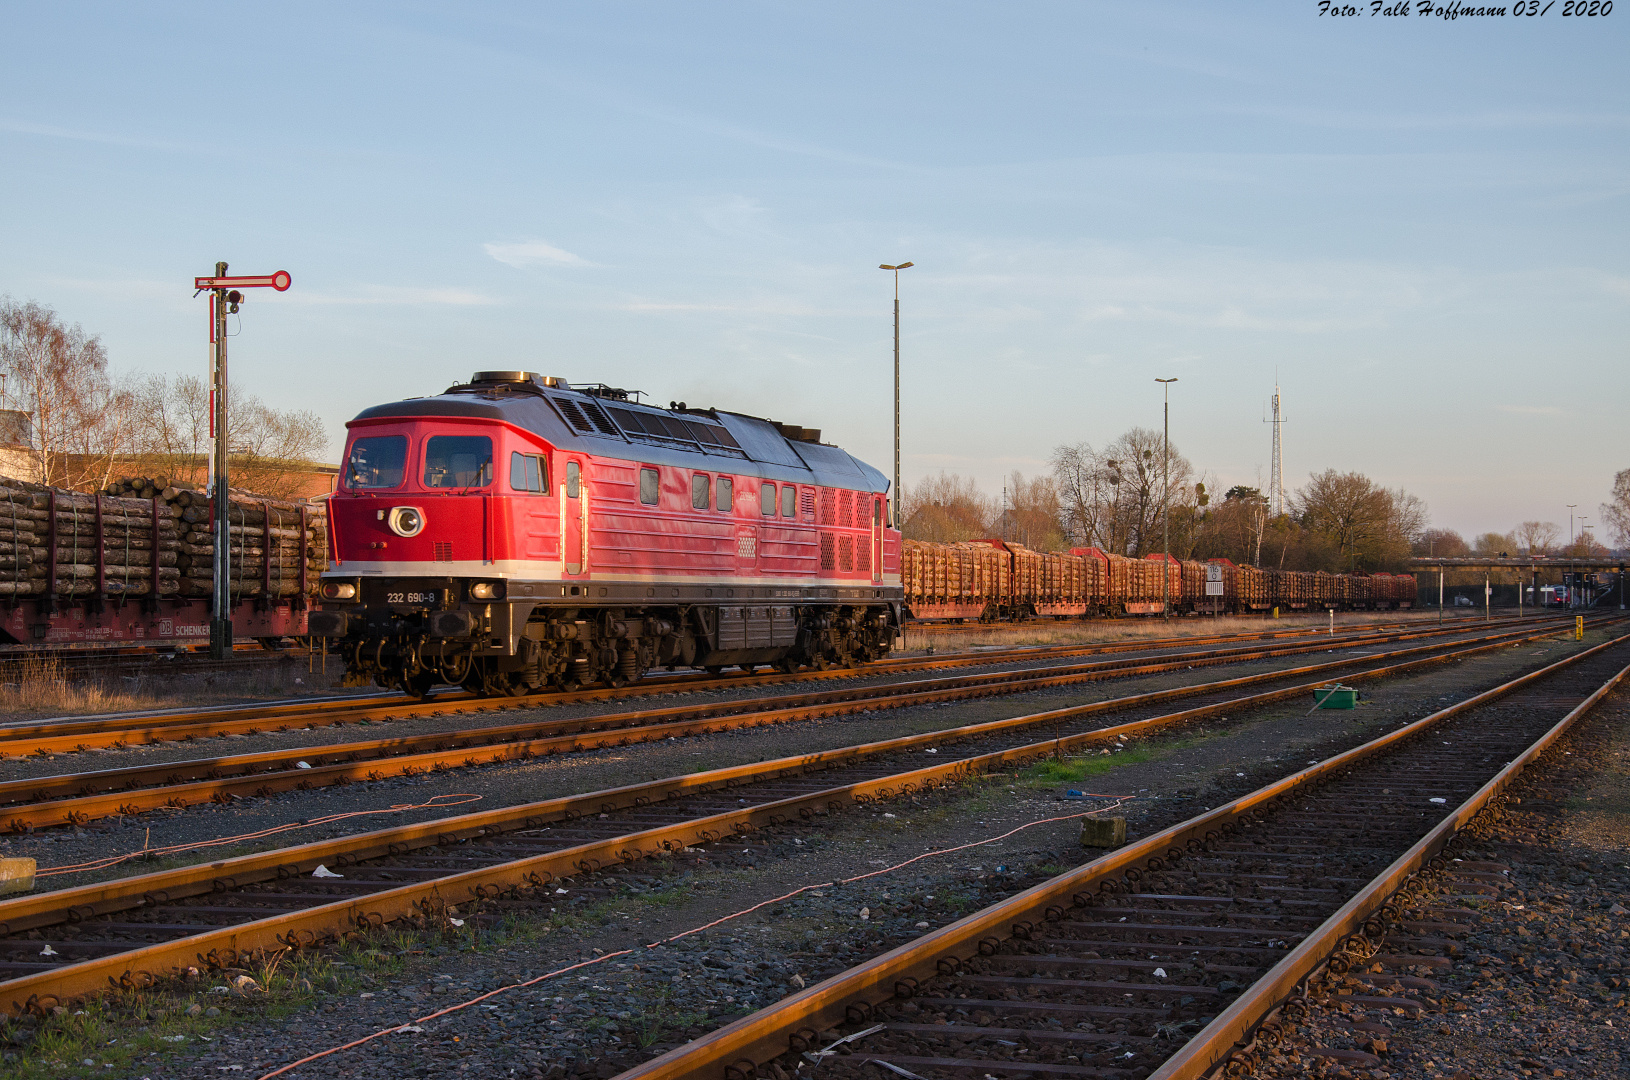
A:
{"x":572,"y":472}
{"x":528,"y":472}
{"x":766,"y":499}
{"x":649,"y":486}
{"x":458,"y":461}
{"x":378,"y":462}
{"x":789,"y":501}
{"x":698,"y":491}
{"x":726,"y":495}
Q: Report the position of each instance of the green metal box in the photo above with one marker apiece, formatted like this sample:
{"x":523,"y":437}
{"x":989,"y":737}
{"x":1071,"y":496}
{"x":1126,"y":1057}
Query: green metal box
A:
{"x":1334,"y":697}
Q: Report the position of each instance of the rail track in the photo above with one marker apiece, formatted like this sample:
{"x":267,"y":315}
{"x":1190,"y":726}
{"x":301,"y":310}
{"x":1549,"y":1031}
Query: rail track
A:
{"x":138,"y":929}
{"x":122,"y":729}
{"x":77,"y":798}
{"x":313,"y":712}
{"x":1172,"y":957}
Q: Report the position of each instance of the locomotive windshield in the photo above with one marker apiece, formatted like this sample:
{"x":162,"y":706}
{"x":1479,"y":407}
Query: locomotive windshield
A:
{"x":378,"y":462}
{"x":458,"y":461}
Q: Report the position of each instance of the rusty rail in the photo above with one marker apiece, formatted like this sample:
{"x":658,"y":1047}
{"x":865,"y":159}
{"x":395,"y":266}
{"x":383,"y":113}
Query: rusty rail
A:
{"x":137,"y":966}
{"x":205,"y":722}
{"x":76,"y":798}
{"x":737,"y":1049}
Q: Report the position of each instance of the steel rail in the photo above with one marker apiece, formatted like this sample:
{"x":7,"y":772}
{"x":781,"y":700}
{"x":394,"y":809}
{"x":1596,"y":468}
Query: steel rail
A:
{"x":1231,"y":1031}
{"x":109,"y":735}
{"x":137,"y":966}
{"x":198,"y":723}
{"x":76,"y":798}
{"x":737,"y":1049}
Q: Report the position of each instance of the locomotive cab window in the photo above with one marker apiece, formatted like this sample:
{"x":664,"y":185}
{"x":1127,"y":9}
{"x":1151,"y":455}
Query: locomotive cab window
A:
{"x":789,"y":501}
{"x":649,"y":486}
{"x":766,"y":499}
{"x":379,"y":462}
{"x":529,"y":472}
{"x":458,"y":461}
{"x":725,"y":499}
{"x":699,"y":491}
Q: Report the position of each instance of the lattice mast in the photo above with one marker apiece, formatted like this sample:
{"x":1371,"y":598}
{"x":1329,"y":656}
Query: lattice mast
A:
{"x":1276,"y":481}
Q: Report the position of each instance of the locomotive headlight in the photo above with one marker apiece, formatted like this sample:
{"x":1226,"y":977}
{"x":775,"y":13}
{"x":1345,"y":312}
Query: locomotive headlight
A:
{"x":485,"y":590}
{"x":338,"y":590}
{"x":406,"y":520}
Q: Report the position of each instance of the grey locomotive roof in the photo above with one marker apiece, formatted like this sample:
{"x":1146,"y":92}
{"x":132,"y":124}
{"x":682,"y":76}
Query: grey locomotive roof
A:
{"x":688,"y":438}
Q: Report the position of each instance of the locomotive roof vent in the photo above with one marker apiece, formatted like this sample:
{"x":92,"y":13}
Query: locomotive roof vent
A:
{"x":489,"y":377}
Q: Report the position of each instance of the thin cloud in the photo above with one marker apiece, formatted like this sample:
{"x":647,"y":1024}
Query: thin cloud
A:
{"x":398,"y":294}
{"x":532,"y":253}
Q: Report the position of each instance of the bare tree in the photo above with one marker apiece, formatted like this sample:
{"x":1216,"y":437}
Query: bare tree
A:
{"x":1536,"y":537}
{"x":59,"y":375}
{"x":1616,"y":511}
{"x":1085,"y":494}
{"x":1365,"y":526}
{"x":946,"y":509}
{"x":1033,"y":514}
{"x":1492,"y":544}
{"x":1441,"y":544}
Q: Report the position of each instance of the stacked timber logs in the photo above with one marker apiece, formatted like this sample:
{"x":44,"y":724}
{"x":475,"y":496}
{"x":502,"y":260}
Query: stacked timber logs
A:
{"x":69,"y":544}
{"x":270,"y":538}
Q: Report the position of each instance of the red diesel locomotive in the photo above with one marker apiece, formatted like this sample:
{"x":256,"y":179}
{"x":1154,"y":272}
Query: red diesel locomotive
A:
{"x":516,"y":532}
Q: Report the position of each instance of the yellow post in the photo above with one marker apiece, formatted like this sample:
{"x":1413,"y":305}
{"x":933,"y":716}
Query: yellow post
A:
{"x":1579,"y":628}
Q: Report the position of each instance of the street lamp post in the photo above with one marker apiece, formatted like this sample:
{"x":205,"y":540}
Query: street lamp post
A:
{"x":1572,"y":585}
{"x":1166,"y":496}
{"x":897,"y":267}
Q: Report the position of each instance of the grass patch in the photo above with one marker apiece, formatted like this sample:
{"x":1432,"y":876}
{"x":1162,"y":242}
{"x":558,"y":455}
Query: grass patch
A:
{"x":1054,"y":771}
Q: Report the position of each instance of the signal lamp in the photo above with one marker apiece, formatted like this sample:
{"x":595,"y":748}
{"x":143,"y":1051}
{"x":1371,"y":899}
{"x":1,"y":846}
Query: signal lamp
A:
{"x":484,"y":590}
{"x":338,"y":590}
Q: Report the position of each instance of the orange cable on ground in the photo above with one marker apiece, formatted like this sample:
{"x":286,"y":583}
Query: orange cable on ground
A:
{"x":435,"y":803}
{"x":1119,"y":800}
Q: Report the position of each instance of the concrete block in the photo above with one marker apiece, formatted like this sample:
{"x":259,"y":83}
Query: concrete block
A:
{"x":1103,"y":832}
{"x":16,"y":875}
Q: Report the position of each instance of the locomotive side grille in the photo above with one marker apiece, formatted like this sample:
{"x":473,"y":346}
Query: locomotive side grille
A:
{"x":826,"y":551}
{"x":846,"y":509}
{"x":806,"y":499}
{"x":441,"y":551}
{"x":846,"y":554}
{"x":599,"y":419}
{"x":828,"y":499}
{"x":863,"y":557}
{"x":574,"y":416}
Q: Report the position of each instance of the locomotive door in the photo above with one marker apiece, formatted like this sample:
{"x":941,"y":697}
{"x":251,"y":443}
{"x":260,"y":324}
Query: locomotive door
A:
{"x":574,"y":520}
{"x":877,"y":540}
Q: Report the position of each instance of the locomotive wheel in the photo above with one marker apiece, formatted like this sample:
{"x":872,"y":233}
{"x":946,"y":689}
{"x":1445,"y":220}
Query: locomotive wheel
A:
{"x":418,"y":686}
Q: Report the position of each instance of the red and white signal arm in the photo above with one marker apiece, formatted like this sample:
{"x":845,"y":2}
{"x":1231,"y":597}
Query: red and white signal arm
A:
{"x":279,"y":281}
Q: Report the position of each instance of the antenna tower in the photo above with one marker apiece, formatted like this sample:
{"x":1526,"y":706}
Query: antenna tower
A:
{"x":1276,"y":482}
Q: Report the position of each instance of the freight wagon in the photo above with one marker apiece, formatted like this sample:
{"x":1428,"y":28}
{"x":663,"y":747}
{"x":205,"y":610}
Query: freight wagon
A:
{"x":78,"y":569}
{"x":992,"y":580}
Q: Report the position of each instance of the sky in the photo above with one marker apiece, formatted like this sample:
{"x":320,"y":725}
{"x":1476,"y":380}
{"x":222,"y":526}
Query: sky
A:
{"x":1416,"y":224}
